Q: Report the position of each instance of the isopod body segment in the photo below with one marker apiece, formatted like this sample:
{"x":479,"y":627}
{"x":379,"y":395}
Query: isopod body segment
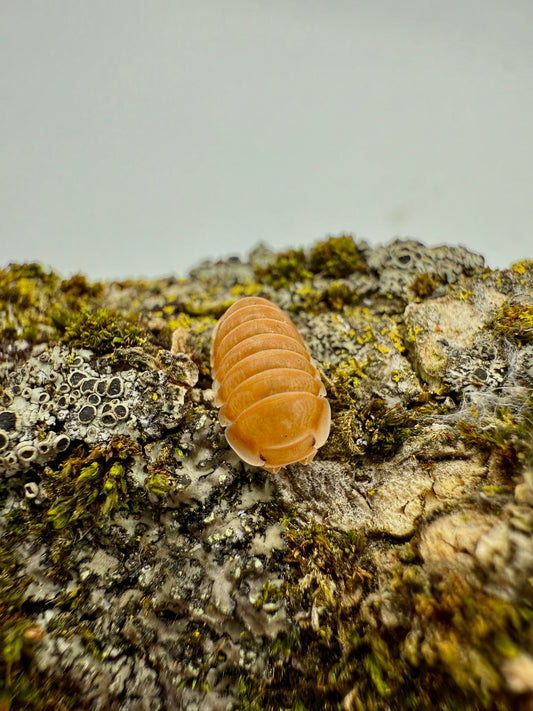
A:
{"x":272,"y":401}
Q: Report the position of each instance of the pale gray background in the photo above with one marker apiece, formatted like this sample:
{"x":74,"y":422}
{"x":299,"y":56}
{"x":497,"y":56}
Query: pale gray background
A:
{"x":139,"y":138}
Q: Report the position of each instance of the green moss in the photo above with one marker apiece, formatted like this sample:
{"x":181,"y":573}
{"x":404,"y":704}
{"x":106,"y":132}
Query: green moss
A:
{"x":33,"y":302}
{"x":424,"y":285}
{"x":289,"y":268}
{"x":20,"y":687}
{"x":160,"y":480}
{"x":343,"y":381}
{"x":471,"y":632}
{"x":515,"y":322}
{"x":90,"y":484}
{"x":249,"y":696}
{"x":328,"y":551}
{"x":16,"y":521}
{"x":507,"y":437}
{"x":464,"y":635}
{"x":85,"y":490}
{"x":30,"y":270}
{"x":374,"y":429}
{"x":333,"y":298}
{"x":21,"y":284}
{"x":100,"y":331}
{"x":270,"y":593}
{"x":375,"y":663}
{"x":323,"y":573}
{"x":115,"y":489}
{"x":77,"y":289}
{"x":90,"y":642}
{"x":336,"y":257}
{"x":12,"y":621}
{"x":386,"y":427}
{"x":26,"y":292}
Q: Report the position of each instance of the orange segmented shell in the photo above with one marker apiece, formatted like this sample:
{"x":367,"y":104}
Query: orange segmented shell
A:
{"x":271,"y":399}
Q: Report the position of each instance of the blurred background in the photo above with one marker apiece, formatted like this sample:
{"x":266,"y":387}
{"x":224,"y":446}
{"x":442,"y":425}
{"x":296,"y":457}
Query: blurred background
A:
{"x":141,"y":138}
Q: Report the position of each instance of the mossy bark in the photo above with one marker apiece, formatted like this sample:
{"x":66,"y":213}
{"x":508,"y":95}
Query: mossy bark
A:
{"x":143,"y":566}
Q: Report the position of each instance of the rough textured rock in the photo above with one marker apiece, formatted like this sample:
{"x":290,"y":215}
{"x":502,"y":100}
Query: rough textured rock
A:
{"x":143,"y":566}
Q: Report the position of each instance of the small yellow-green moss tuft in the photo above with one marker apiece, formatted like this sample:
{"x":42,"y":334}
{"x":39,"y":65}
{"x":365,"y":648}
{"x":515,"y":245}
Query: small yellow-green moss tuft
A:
{"x":424,"y":285}
{"x":90,"y":482}
{"x":515,"y":322}
{"x":333,"y":298}
{"x":77,"y":288}
{"x":509,"y":438}
{"x":100,"y":331}
{"x":336,"y":257}
{"x":289,"y":268}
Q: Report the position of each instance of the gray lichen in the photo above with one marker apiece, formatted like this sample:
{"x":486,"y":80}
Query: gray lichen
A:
{"x":57,"y":397}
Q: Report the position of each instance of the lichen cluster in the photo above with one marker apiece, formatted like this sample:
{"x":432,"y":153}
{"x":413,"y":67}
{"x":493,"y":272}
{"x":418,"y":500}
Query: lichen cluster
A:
{"x":143,"y":566}
{"x":57,"y":397}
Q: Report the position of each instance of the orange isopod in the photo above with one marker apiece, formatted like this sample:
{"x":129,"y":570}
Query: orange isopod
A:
{"x":272,"y":401}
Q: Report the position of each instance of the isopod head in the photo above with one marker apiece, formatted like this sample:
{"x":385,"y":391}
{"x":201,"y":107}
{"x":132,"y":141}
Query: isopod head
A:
{"x":272,"y":401}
